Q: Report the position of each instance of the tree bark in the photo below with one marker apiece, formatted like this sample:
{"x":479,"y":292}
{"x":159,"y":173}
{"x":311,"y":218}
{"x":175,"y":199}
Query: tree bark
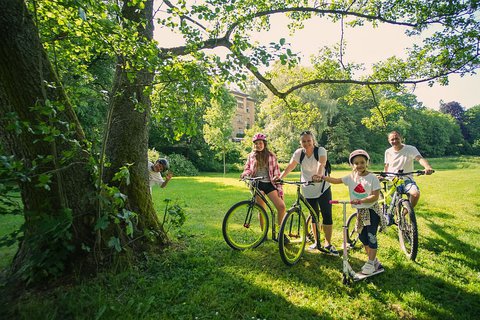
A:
{"x":128,"y":130}
{"x":31,"y":98}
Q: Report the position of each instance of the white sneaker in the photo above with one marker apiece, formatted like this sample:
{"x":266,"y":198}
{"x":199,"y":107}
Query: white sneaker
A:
{"x":378,"y":265}
{"x":368,"y":268}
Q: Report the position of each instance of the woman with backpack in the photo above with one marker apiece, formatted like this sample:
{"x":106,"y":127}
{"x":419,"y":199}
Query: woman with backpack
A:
{"x":313,"y":162}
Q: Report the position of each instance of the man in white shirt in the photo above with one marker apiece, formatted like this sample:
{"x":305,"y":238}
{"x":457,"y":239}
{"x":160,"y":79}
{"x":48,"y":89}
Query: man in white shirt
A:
{"x":155,"y":173}
{"x":400,"y":157}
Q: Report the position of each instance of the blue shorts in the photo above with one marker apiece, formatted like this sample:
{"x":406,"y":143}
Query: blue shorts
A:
{"x":408,"y":187}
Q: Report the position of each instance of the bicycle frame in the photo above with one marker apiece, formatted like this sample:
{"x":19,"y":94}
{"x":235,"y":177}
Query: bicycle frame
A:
{"x":392,"y":195}
{"x":256,"y":192}
{"x":299,"y":200}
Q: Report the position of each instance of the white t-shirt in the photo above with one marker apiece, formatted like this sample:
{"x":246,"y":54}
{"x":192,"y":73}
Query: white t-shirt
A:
{"x":361,"y":187}
{"x":309,"y":168}
{"x":402,"y":159}
{"x":153,"y":176}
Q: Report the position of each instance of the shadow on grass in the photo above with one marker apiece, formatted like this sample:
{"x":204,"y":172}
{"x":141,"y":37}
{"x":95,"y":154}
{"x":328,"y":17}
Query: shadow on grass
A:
{"x":447,"y":244}
{"x":404,"y":290}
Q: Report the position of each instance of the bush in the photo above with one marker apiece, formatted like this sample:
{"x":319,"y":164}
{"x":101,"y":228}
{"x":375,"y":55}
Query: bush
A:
{"x":181,"y":166}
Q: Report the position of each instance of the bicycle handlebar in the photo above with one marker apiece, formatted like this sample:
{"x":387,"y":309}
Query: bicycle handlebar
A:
{"x":297,"y":183}
{"x":400,"y":174}
{"x":251,"y":179}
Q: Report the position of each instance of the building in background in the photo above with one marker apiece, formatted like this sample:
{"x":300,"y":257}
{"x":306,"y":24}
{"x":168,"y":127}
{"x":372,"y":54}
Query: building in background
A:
{"x":244,"y":115}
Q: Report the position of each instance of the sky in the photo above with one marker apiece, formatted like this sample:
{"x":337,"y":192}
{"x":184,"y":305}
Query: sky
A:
{"x":364,"y":45}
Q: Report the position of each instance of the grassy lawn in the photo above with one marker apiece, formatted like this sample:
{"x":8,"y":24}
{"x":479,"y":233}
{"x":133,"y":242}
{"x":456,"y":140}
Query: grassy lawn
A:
{"x":200,"y":277}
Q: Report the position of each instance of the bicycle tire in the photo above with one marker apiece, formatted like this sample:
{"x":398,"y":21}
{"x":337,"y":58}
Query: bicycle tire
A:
{"x":407,"y":229}
{"x":240,"y":235}
{"x":310,"y":235}
{"x":352,"y":235}
{"x":292,"y":236}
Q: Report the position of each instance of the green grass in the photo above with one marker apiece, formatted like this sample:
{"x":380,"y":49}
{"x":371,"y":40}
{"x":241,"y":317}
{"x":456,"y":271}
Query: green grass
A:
{"x":200,"y":277}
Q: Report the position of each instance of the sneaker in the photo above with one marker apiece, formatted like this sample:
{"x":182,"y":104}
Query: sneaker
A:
{"x":378,"y":265}
{"x":313,"y":246}
{"x":332,"y":250}
{"x":368,"y":268}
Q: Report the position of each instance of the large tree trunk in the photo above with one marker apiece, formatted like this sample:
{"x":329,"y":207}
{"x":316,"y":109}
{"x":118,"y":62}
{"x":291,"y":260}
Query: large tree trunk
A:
{"x":31,"y":98}
{"x":32,"y":102}
{"x":127,"y":141}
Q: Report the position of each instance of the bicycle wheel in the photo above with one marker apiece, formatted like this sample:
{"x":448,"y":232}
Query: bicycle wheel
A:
{"x":245,"y":225}
{"x":310,"y":236}
{"x":407,"y":229}
{"x":292,"y":236}
{"x":352,"y":235}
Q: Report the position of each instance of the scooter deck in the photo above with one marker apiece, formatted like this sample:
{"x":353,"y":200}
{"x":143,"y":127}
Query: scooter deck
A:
{"x":360,"y":276}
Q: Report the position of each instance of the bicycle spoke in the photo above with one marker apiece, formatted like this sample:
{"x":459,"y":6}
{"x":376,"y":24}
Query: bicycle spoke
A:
{"x":245,"y":226}
{"x":407,"y":229}
{"x":292,"y":237}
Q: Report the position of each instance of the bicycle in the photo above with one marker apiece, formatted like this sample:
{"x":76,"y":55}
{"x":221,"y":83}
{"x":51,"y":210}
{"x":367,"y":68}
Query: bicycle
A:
{"x":246,"y":223}
{"x":393,"y":201}
{"x":295,"y":230}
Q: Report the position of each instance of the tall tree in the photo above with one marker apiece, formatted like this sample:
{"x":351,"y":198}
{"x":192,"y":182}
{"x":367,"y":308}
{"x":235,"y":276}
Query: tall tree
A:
{"x":39,"y":126}
{"x":217,"y":129}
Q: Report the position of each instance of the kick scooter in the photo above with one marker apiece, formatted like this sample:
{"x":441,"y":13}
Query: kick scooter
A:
{"x":348,"y":273}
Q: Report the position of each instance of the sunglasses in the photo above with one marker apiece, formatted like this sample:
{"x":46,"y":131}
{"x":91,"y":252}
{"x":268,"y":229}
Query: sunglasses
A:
{"x":305,"y":132}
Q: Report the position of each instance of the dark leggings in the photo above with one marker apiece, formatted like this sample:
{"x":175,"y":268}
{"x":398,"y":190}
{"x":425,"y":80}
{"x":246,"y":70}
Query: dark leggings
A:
{"x":321,"y":204}
{"x":368,"y":236}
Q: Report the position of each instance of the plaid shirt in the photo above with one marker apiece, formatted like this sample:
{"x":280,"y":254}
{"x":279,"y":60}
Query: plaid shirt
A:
{"x":273,"y":169}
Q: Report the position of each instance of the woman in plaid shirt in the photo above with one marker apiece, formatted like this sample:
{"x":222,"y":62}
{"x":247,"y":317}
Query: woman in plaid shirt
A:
{"x":263,"y":163}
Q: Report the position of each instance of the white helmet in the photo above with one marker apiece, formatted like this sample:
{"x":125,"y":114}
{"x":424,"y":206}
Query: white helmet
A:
{"x":358,"y":152}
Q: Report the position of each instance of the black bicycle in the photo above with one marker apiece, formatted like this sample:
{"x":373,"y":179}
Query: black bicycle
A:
{"x":296,"y":229}
{"x":246,"y":223}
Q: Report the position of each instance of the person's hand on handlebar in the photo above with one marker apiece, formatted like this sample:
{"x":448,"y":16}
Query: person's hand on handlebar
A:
{"x":316,"y":178}
{"x":428,"y":170}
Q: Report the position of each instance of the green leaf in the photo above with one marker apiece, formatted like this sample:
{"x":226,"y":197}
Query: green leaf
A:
{"x":114,"y":242}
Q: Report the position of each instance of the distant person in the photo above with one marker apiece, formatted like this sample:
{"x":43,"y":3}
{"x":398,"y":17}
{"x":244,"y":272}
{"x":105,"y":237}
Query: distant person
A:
{"x":400,"y":157}
{"x":263,"y":163}
{"x":364,"y":189}
{"x":318,"y":195}
{"x":155,"y":171}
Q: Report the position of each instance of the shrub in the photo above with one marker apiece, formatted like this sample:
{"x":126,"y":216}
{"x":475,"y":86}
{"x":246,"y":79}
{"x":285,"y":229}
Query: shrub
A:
{"x":181,"y":166}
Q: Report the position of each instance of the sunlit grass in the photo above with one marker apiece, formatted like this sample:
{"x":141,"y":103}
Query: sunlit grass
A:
{"x":200,"y":277}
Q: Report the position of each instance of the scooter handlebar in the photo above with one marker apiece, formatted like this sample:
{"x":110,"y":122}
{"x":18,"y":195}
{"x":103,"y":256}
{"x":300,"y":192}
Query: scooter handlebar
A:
{"x":339,"y":201}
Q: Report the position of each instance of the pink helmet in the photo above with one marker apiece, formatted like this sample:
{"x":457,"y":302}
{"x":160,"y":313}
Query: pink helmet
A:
{"x":358,"y":152}
{"x":259,"y":136}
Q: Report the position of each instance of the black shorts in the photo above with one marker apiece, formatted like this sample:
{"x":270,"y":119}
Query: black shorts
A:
{"x":266,"y":187}
{"x":321,"y":204}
